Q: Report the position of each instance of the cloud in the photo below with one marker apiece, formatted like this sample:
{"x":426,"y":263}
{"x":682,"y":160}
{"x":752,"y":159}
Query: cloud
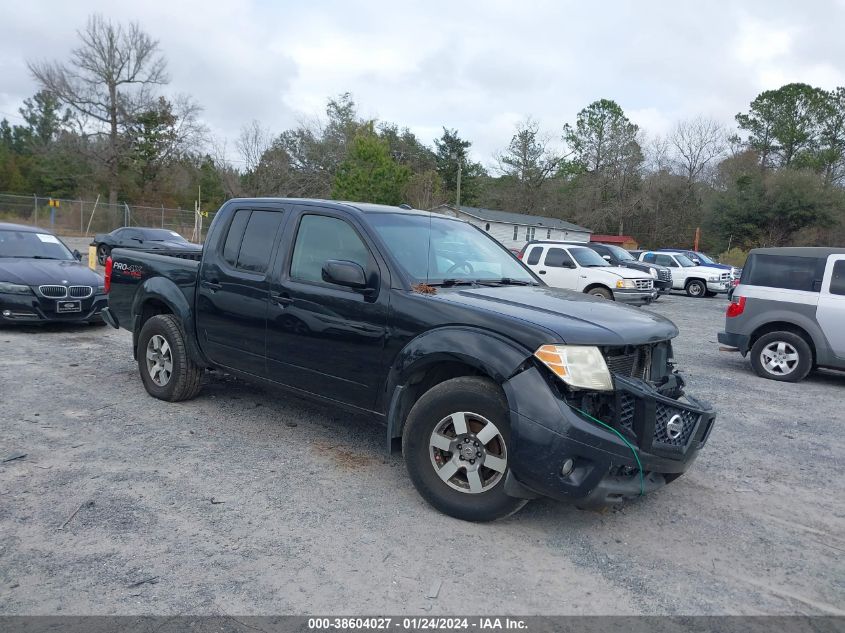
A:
{"x":478,"y":66}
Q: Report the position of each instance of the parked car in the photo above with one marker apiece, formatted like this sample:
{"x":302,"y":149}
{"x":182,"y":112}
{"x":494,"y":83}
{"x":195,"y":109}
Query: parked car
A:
{"x":42,"y":280}
{"x":788,"y":312}
{"x":697,"y":281}
{"x":498,"y":387}
{"x":578,"y":267}
{"x":143,"y":238}
{"x":701,"y":259}
{"x":618,"y":256}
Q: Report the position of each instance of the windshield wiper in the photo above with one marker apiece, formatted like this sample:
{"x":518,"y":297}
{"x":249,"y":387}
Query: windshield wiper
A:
{"x":505,"y":281}
{"x":445,"y":283}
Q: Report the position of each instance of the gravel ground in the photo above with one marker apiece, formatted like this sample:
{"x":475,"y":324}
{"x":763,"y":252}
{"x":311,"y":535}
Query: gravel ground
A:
{"x":245,"y":501}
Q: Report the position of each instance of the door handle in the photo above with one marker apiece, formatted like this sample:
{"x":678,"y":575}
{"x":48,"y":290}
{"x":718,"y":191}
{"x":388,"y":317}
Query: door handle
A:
{"x":280,"y":298}
{"x":542,"y":272}
{"x":212,"y":285}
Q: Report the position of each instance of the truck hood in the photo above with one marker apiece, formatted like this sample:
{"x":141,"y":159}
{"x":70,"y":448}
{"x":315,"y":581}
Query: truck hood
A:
{"x":704,"y":271}
{"x":625,"y":273}
{"x":38,"y":272}
{"x":576,"y":318}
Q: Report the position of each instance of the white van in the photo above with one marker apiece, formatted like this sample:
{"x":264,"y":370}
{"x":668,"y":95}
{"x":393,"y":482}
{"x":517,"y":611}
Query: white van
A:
{"x":577,"y":267}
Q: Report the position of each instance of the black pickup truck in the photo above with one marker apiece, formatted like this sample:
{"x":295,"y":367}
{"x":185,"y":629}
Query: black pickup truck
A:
{"x":497,"y":388}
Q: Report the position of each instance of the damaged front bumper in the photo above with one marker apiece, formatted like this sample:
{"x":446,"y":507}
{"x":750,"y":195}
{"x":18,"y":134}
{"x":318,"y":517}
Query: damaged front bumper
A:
{"x":547,"y":431}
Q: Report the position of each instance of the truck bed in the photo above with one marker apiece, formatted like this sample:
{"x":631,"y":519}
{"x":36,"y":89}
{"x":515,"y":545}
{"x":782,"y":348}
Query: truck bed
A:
{"x":174,"y":276}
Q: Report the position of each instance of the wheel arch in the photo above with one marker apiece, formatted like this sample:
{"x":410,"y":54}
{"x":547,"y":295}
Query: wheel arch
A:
{"x":440,"y":355}
{"x":784,"y":326}
{"x":158,"y":295}
{"x":597,"y":284}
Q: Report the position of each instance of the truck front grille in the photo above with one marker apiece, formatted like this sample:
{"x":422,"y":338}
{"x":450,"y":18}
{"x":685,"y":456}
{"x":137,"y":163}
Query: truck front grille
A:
{"x":645,"y":284}
{"x":683,"y":423}
{"x":664,"y":275}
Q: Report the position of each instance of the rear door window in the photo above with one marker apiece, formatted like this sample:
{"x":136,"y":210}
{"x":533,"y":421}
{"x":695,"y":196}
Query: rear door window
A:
{"x":788,"y":273}
{"x":837,"y":280}
{"x":534,"y":256}
{"x":557,"y":258}
{"x":249,"y":243}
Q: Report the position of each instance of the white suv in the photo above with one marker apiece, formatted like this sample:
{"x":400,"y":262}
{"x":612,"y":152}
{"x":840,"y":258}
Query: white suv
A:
{"x":698,"y":281}
{"x":576,"y":267}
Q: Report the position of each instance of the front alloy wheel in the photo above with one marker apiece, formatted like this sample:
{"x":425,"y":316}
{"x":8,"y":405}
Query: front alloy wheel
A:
{"x":468,"y":452}
{"x":455,"y":445}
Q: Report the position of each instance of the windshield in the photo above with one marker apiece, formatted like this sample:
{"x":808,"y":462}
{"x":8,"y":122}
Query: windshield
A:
{"x":620,"y":253}
{"x":437,"y":250}
{"x":29,"y":245}
{"x":587,"y":257}
{"x":162,"y":235}
{"x":684,"y":261}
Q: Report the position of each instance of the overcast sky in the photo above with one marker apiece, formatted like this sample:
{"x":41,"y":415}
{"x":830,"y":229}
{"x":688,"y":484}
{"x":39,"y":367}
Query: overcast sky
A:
{"x":480,"y":67}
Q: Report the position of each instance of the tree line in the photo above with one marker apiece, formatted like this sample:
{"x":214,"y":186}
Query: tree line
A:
{"x":100,"y":124}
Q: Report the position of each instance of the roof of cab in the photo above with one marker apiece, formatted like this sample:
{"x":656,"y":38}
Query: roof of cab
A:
{"x":799,"y":251}
{"x":364,"y":207}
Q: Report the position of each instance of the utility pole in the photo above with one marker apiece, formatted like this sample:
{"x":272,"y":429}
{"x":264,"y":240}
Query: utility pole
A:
{"x":459,"y":158}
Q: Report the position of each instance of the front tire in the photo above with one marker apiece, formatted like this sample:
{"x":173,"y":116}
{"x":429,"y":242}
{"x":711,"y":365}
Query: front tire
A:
{"x":166,"y":368}
{"x":103,"y":253}
{"x":696,"y":288}
{"x":601,"y":293}
{"x":468,"y":482}
{"x":782,"y":356}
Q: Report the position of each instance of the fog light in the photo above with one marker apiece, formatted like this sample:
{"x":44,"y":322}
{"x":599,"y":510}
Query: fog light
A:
{"x":7,"y":313}
{"x":567,"y":467}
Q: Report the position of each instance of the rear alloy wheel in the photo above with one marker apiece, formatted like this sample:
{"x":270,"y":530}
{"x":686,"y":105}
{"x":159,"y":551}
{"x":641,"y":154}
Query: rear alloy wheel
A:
{"x":163,"y":361}
{"x":696,"y":288}
{"x":782,"y":356}
{"x":455,"y":444}
{"x":601,"y":293}
{"x":103,"y":253}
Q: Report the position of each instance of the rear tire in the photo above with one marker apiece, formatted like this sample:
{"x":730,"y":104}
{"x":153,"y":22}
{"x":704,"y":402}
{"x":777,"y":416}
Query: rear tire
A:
{"x":601,"y":293}
{"x":696,"y":288}
{"x":782,"y":356}
{"x":470,"y":412}
{"x":166,"y":368}
{"x":103,"y":253}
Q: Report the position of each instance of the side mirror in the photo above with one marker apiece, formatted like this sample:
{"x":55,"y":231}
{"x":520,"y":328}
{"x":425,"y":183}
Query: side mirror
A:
{"x":606,"y":257}
{"x":138,"y":239}
{"x":77,"y":255}
{"x":568,"y":265}
{"x":696,"y":261}
{"x":344,"y":273}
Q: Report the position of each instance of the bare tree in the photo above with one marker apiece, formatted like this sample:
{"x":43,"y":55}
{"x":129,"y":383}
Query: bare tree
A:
{"x":107,"y":82}
{"x":252,"y":142}
{"x":699,"y":143}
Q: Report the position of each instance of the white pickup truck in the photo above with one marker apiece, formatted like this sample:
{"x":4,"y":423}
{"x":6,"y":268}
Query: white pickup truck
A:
{"x":698,"y":281}
{"x":576,"y":267}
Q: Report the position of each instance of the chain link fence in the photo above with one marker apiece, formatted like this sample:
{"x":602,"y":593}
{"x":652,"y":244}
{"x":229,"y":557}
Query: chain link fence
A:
{"x":84,"y":218}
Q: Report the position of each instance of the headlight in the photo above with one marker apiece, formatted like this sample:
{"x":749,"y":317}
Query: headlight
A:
{"x":579,"y":366}
{"x":713,"y":278}
{"x":626,"y":283}
{"x":14,"y":289}
{"x":653,"y":272}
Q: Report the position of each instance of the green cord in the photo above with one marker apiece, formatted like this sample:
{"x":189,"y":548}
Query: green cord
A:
{"x":627,"y":443}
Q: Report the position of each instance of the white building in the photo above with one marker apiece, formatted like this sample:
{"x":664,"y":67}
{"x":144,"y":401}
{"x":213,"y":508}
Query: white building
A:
{"x":515,"y":229}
